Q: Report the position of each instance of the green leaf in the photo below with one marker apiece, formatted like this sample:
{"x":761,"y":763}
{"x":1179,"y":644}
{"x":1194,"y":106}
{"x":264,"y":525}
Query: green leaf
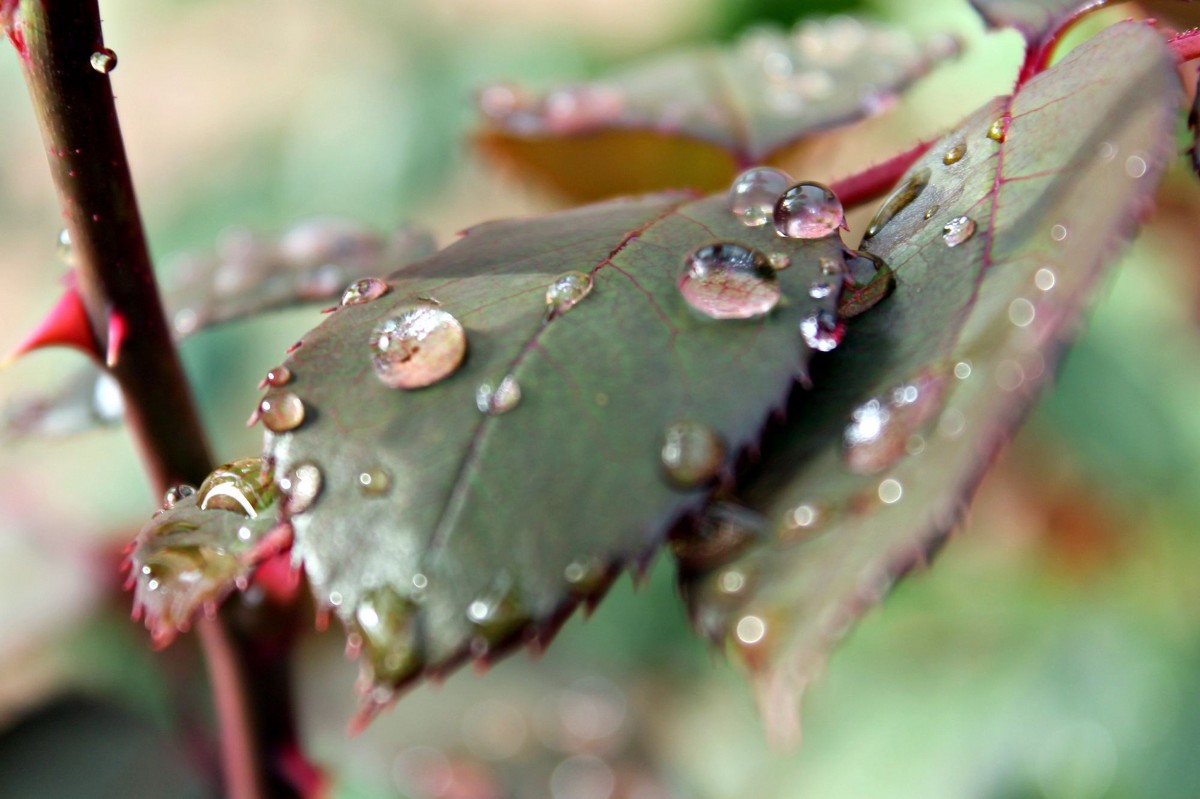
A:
{"x":436,"y":530}
{"x":697,"y":118}
{"x":905,"y":418}
{"x":1032,"y":18}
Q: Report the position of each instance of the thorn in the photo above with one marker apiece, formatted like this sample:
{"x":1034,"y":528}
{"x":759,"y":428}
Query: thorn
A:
{"x":254,"y":417}
{"x":330,"y":309}
{"x":66,"y":325}
{"x":294,"y":347}
{"x":117,"y":330}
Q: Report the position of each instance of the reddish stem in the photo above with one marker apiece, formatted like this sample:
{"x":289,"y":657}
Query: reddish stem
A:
{"x":877,"y":180}
{"x":1038,"y":54}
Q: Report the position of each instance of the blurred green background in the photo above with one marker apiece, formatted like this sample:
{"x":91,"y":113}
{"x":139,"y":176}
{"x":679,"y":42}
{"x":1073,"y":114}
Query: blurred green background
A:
{"x":1053,"y":651}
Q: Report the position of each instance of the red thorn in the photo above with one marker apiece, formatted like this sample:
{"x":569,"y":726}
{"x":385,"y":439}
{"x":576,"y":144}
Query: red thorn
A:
{"x":330,"y":309}
{"x":254,"y":417}
{"x":117,"y":330}
{"x":294,"y":347}
{"x":66,"y":325}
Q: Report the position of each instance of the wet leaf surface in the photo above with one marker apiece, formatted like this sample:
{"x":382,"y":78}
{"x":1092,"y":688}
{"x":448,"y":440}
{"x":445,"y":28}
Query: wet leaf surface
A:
{"x":879,"y":460}
{"x":249,"y":274}
{"x":457,"y":518}
{"x":697,"y":118}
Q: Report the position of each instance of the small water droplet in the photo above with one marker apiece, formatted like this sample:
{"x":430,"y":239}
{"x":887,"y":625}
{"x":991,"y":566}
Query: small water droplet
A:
{"x":933,"y":209}
{"x":750,"y":630}
{"x":498,"y":613}
{"x":565,"y":292}
{"x":1059,"y":232}
{"x":363,"y":291}
{"x":279,"y":376}
{"x":104,"y":60}
{"x":281,"y":411}
{"x":418,"y":347}
{"x":820,"y":289}
{"x":753,"y":195}
{"x":692,"y":454}
{"x":904,"y":195}
{"x":1135,"y":166}
{"x":822,"y":330}
{"x":779,"y":260}
{"x":387,"y":625}
{"x":301,"y":487}
{"x":831,"y":267}
{"x":729,"y":281}
{"x":499,"y":398}
{"x":801,"y":523}
{"x":808,"y":211}
{"x":65,"y":253}
{"x":958,"y":230}
{"x":996,"y":131}
{"x":176,"y":493}
{"x":1107,"y":151}
{"x":585,"y":575}
{"x":185,"y":321}
{"x":1044,"y":279}
{"x":243,"y":486}
{"x":731,"y":581}
{"x":954,"y":153}
{"x":952,"y":423}
{"x":962,"y":370}
{"x":1021,"y":312}
{"x":374,"y":482}
{"x":890,"y":491}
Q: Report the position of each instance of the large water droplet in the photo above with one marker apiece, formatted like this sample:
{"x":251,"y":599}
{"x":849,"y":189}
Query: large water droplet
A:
{"x":822,"y":330}
{"x":301,"y":487}
{"x":729,"y":281}
{"x":419,"y":346}
{"x":281,"y":411}
{"x":566,"y":291}
{"x":954,"y":153}
{"x":374,"y":482}
{"x":176,"y":493}
{"x":104,"y":60}
{"x":244,"y":486}
{"x":692,"y":453}
{"x":753,"y":195}
{"x":901,"y":198}
{"x":363,"y":291}
{"x":387,"y":623}
{"x":808,"y":211}
{"x":958,"y":230}
{"x":498,"y":398}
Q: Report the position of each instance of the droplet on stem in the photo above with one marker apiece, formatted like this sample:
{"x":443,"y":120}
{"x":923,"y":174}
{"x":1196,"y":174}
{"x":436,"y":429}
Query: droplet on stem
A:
{"x":729,"y":281}
{"x":808,"y":211}
{"x":418,"y":347}
{"x":753,"y":195}
{"x":104,"y":60}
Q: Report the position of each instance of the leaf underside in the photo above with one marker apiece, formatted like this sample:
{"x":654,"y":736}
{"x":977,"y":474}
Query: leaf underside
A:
{"x":697,"y":118}
{"x":536,"y":509}
{"x":884,"y":453}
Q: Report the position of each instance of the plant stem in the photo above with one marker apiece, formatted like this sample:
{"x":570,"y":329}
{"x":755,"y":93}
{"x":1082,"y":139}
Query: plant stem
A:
{"x":55,"y":41}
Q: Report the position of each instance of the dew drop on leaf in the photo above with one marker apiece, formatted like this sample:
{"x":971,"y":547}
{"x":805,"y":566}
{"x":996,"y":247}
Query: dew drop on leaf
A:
{"x":958,"y":230}
{"x":729,"y":281}
{"x":498,"y":613}
{"x":933,"y":209}
{"x":418,"y":347}
{"x":374,"y":482}
{"x":363,"y":291}
{"x":901,"y":198}
{"x":279,"y":376}
{"x":243,"y":486}
{"x":753,"y":195}
{"x":498,"y":398}
{"x":692,"y":453}
{"x":779,"y":260}
{"x":954,"y":153}
{"x":890,"y":491}
{"x":995,"y":131}
{"x":281,"y":411}
{"x":301,"y":487}
{"x":585,"y":576}
{"x":566,"y":291}
{"x":104,"y":61}
{"x":808,"y":211}
{"x":822,"y":331}
{"x":391,"y":644}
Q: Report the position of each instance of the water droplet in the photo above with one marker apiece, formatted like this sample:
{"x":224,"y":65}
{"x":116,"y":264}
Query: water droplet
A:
{"x":185,"y":321}
{"x":419,"y":346}
{"x":1021,"y":312}
{"x":243,"y":486}
{"x":1107,"y":151}
{"x":566,"y":291}
{"x":952,"y":423}
{"x":387,"y":625}
{"x":958,"y":230}
{"x":104,"y":60}
{"x":890,"y":491}
{"x":176,"y":493}
{"x":1135,"y":166}
{"x":904,"y":195}
{"x":281,"y":411}
{"x":822,"y":330}
{"x":731,"y":581}
{"x":498,"y":613}
{"x":279,"y":376}
{"x":750,"y":630}
{"x":996,"y":131}
{"x":808,"y":211}
{"x":954,"y":153}
{"x":1044,"y":279}
{"x":779,"y":260}
{"x":830,"y":267}
{"x":499,"y":398}
{"x":363,"y":291}
{"x":692,"y":454}
{"x":586,"y":575}
{"x":753,"y":195}
{"x":1059,"y":232}
{"x":374,"y":482}
{"x":65,"y":253}
{"x":933,"y":209}
{"x":820,"y":289}
{"x":962,"y":370}
{"x":301,"y":487}
{"x":729,"y":281}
